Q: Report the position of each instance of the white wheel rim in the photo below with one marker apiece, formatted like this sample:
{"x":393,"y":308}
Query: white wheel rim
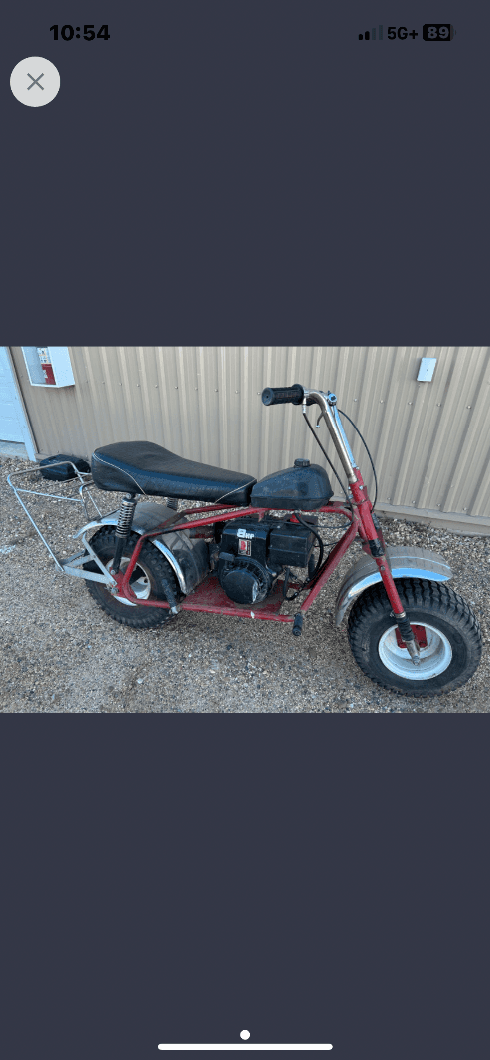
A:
{"x":434,"y":659}
{"x":140,"y":585}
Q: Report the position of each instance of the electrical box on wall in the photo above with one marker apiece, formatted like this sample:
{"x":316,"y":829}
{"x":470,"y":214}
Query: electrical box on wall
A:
{"x":48,"y":365}
{"x":426,"y":370}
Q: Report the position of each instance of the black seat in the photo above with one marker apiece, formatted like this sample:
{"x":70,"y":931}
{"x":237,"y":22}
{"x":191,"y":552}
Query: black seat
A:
{"x":144,"y":467}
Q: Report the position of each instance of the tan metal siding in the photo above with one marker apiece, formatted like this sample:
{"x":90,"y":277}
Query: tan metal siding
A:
{"x":430,"y":442}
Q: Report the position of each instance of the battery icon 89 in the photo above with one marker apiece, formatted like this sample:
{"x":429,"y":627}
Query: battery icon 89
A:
{"x":438,"y":31}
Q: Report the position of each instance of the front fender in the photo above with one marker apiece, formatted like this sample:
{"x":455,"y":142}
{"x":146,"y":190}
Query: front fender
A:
{"x":406,"y":561}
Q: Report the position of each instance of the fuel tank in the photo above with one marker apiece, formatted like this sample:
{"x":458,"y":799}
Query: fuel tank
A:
{"x":305,"y":486}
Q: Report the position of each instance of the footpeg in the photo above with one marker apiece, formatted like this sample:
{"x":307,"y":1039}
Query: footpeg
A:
{"x":298,"y":624}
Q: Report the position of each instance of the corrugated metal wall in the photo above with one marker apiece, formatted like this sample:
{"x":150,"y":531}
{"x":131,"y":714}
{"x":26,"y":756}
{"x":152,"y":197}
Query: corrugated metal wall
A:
{"x":430,"y":442}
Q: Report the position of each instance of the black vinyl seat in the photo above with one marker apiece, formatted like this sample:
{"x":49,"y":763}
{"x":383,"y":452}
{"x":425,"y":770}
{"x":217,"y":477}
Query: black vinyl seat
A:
{"x":148,"y":468}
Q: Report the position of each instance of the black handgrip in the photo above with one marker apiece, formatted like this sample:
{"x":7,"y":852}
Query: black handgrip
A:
{"x":283,"y":395}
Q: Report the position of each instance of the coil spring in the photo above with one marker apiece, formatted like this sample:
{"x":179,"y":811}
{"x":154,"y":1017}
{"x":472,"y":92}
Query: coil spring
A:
{"x":126,"y":512}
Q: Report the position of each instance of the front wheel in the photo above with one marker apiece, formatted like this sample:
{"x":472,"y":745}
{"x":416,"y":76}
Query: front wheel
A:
{"x":447,"y":630}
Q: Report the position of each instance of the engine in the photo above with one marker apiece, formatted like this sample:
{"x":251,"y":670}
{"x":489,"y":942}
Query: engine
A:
{"x":252,"y":555}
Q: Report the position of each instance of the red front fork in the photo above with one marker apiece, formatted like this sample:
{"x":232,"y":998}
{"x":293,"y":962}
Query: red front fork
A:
{"x":374,"y":545}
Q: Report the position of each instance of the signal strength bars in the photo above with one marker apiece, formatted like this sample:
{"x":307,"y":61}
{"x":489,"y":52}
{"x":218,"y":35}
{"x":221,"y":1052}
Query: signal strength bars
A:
{"x":371,"y":34}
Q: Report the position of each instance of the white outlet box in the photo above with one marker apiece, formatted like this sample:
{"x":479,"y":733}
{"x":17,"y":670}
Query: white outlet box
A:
{"x":426,"y":370}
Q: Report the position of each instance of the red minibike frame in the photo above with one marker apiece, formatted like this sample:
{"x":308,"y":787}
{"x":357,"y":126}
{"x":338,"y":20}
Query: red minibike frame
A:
{"x":209,"y":596}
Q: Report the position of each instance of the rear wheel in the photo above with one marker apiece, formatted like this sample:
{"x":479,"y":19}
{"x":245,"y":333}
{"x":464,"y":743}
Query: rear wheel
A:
{"x":448,"y":632}
{"x":146,"y":581}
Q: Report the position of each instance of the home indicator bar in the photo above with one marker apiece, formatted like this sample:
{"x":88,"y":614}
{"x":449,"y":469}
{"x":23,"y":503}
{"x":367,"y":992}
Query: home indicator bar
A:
{"x":246,"y":1047}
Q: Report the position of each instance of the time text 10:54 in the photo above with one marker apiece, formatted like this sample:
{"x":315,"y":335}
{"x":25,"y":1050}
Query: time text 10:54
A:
{"x":68,"y":32}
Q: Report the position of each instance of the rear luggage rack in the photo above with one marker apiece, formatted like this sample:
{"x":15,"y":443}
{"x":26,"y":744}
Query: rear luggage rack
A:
{"x":70,"y":565}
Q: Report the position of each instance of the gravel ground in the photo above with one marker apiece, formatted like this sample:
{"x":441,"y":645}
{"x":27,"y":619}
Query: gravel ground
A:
{"x":62,"y":654}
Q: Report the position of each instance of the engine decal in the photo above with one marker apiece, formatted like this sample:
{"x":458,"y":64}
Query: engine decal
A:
{"x":245,"y":546}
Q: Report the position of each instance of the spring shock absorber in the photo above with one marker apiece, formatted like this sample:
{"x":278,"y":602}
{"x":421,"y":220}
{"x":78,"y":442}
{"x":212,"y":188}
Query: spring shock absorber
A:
{"x":123,"y":529}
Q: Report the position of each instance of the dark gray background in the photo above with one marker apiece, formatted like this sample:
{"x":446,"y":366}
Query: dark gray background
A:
{"x":248,"y":172}
{"x":178,"y":879}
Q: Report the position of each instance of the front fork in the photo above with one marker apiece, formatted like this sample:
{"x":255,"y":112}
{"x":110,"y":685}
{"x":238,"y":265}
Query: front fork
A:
{"x":374,"y":544}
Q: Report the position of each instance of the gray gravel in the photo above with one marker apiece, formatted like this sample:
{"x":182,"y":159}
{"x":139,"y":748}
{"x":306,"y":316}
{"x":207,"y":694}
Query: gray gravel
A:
{"x":62,"y":654}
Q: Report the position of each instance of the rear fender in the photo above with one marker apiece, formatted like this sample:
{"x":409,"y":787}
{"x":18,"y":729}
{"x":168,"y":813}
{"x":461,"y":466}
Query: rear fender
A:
{"x":147,"y":516}
{"x":405,"y":561}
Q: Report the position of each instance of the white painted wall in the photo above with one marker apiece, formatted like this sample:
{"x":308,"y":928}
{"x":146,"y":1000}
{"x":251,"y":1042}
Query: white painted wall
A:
{"x":13,"y":421}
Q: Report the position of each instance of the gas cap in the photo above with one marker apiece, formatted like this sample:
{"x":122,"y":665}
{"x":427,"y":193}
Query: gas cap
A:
{"x":301,"y":461}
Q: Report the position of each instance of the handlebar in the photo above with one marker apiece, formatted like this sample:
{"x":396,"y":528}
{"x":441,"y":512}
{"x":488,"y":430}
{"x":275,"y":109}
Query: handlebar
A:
{"x":300,"y":395}
{"x":283,"y":395}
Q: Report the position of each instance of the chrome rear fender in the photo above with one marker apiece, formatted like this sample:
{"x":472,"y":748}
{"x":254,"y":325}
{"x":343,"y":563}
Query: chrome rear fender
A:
{"x":146,"y":517}
{"x":405,"y":561}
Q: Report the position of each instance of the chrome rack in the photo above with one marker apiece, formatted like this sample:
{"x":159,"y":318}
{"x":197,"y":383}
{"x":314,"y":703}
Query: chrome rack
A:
{"x":86,"y":480}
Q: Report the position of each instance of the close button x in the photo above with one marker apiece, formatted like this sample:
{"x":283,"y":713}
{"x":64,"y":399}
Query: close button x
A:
{"x":21,"y":82}
{"x":35,"y":81}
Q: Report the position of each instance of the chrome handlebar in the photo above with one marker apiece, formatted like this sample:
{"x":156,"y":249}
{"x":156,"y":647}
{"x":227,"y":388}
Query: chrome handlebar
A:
{"x":329,"y":413}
